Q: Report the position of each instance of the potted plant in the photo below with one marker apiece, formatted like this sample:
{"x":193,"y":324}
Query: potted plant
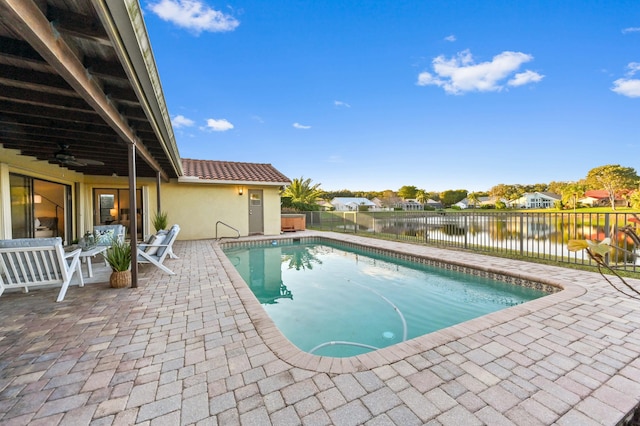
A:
{"x":118,"y":256}
{"x":160,"y":221}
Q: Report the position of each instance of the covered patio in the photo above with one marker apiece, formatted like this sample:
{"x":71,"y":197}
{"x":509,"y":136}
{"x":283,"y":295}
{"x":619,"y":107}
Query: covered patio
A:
{"x":195,"y":348}
{"x":80,"y":105}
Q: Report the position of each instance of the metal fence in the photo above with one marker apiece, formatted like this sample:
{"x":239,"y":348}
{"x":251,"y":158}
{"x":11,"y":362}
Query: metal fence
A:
{"x":528,"y":235}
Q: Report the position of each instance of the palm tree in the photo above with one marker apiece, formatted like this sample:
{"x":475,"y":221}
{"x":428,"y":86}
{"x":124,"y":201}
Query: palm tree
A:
{"x":422,"y":196}
{"x":473,"y":199}
{"x":301,"y":191}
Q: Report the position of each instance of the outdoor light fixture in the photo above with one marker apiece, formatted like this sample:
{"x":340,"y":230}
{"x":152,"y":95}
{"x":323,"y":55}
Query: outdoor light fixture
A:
{"x":240,"y":190}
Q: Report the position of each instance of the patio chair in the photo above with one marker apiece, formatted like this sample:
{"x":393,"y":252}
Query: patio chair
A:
{"x":35,"y":262}
{"x":158,"y":248}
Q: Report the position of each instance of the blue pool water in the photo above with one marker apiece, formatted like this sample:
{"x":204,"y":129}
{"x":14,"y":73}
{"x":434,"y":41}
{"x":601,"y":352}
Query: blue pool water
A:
{"x":322,"y":293}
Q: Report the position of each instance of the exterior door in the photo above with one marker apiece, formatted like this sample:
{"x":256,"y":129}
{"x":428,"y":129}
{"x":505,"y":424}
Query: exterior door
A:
{"x":256,"y":212}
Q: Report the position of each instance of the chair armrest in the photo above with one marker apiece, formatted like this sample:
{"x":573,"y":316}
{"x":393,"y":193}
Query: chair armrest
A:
{"x":74,"y":253}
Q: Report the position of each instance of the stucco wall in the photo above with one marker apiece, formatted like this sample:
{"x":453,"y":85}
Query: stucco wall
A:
{"x":197,"y":208}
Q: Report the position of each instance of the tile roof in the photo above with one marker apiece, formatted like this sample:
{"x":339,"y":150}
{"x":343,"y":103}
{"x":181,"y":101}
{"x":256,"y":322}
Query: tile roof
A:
{"x":232,"y":171}
{"x":597,"y":193}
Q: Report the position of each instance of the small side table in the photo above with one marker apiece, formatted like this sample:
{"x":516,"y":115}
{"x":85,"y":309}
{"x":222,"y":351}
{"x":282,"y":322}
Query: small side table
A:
{"x":86,"y":255}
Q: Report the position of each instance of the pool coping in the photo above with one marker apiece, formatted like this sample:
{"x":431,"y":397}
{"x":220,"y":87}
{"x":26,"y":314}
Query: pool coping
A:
{"x":291,"y":354}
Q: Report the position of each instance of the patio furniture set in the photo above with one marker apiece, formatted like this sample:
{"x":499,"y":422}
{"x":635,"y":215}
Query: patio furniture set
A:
{"x":27,"y":263}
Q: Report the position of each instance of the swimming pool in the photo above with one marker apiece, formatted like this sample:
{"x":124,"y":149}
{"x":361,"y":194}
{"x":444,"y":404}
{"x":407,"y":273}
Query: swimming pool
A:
{"x":338,"y":301}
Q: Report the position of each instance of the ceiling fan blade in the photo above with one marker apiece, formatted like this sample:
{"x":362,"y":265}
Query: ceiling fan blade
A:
{"x":72,"y":163}
{"x":88,"y":162}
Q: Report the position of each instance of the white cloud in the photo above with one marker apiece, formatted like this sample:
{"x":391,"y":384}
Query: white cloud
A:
{"x":193,"y":15}
{"x":181,"y":121}
{"x":341,"y":104}
{"x":301,"y":126}
{"x":221,"y":125}
{"x":628,"y":86}
{"x":633,"y":67}
{"x":461,"y":74}
{"x":526,"y":77}
{"x":631,"y":30}
{"x":450,"y":38}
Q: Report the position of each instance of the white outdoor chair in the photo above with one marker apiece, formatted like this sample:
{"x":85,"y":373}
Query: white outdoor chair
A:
{"x":36,"y":262}
{"x":156,"y":251}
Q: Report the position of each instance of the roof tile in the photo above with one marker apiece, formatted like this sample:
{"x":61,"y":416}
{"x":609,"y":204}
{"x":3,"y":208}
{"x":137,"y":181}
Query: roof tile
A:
{"x":232,"y":171}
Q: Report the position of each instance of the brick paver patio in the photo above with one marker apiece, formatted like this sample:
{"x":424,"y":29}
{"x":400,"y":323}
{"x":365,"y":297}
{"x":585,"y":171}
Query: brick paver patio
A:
{"x":196,"y":348}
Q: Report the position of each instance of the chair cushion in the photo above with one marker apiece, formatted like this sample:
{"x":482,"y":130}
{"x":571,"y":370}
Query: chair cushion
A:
{"x":154,"y":244}
{"x":168,"y":238}
{"x":105,"y":237}
{"x":117,"y":231}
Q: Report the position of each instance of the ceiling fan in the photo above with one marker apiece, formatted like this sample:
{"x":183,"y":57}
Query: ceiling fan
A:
{"x":66,"y":158}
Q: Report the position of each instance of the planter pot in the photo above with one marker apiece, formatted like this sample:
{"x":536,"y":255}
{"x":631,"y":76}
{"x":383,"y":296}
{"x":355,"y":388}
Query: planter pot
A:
{"x":120,"y":279}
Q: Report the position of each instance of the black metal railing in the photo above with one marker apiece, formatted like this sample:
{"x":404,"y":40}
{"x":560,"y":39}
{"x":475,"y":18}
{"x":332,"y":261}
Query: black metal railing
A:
{"x":528,"y":235}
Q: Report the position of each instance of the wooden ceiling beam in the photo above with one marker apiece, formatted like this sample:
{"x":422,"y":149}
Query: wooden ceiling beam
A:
{"x":20,"y":50}
{"x":9,"y":120}
{"x":39,"y":98}
{"x":77,"y":25}
{"x":34,"y":80}
{"x":43,"y":111}
{"x":58,"y":136}
{"x":111,"y":70}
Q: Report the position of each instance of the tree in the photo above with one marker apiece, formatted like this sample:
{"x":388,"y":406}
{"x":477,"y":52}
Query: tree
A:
{"x":634,"y":199}
{"x":612,"y":178}
{"x":302,"y":193}
{"x":557,"y":187}
{"x":510,"y":192}
{"x":451,"y":196}
{"x":422,"y":196}
{"x":407,"y":192}
{"x":474,"y":199}
{"x":571,"y":192}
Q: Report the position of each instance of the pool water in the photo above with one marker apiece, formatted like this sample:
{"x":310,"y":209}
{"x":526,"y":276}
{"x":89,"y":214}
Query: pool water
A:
{"x":335,"y":301}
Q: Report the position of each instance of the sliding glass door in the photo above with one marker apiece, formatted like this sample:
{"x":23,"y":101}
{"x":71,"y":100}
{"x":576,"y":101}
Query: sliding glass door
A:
{"x":39,"y":208}
{"x":22,"y":222}
{"x":112,"y":207}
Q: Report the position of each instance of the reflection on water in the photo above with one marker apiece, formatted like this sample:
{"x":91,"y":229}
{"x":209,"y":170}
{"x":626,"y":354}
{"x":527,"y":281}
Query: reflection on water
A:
{"x":302,"y":258}
{"x":531,"y":233}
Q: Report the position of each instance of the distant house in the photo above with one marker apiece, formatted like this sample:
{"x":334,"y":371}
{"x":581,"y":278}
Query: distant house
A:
{"x":409,"y":205}
{"x":351,"y":203}
{"x":600,"y":198}
{"x":535,"y":200}
{"x":324,"y":204}
{"x":434,"y":204}
{"x":377,"y":201}
{"x":482,"y":201}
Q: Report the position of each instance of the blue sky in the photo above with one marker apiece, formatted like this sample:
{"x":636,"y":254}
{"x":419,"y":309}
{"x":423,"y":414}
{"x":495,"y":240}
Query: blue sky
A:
{"x":374,"y":95}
